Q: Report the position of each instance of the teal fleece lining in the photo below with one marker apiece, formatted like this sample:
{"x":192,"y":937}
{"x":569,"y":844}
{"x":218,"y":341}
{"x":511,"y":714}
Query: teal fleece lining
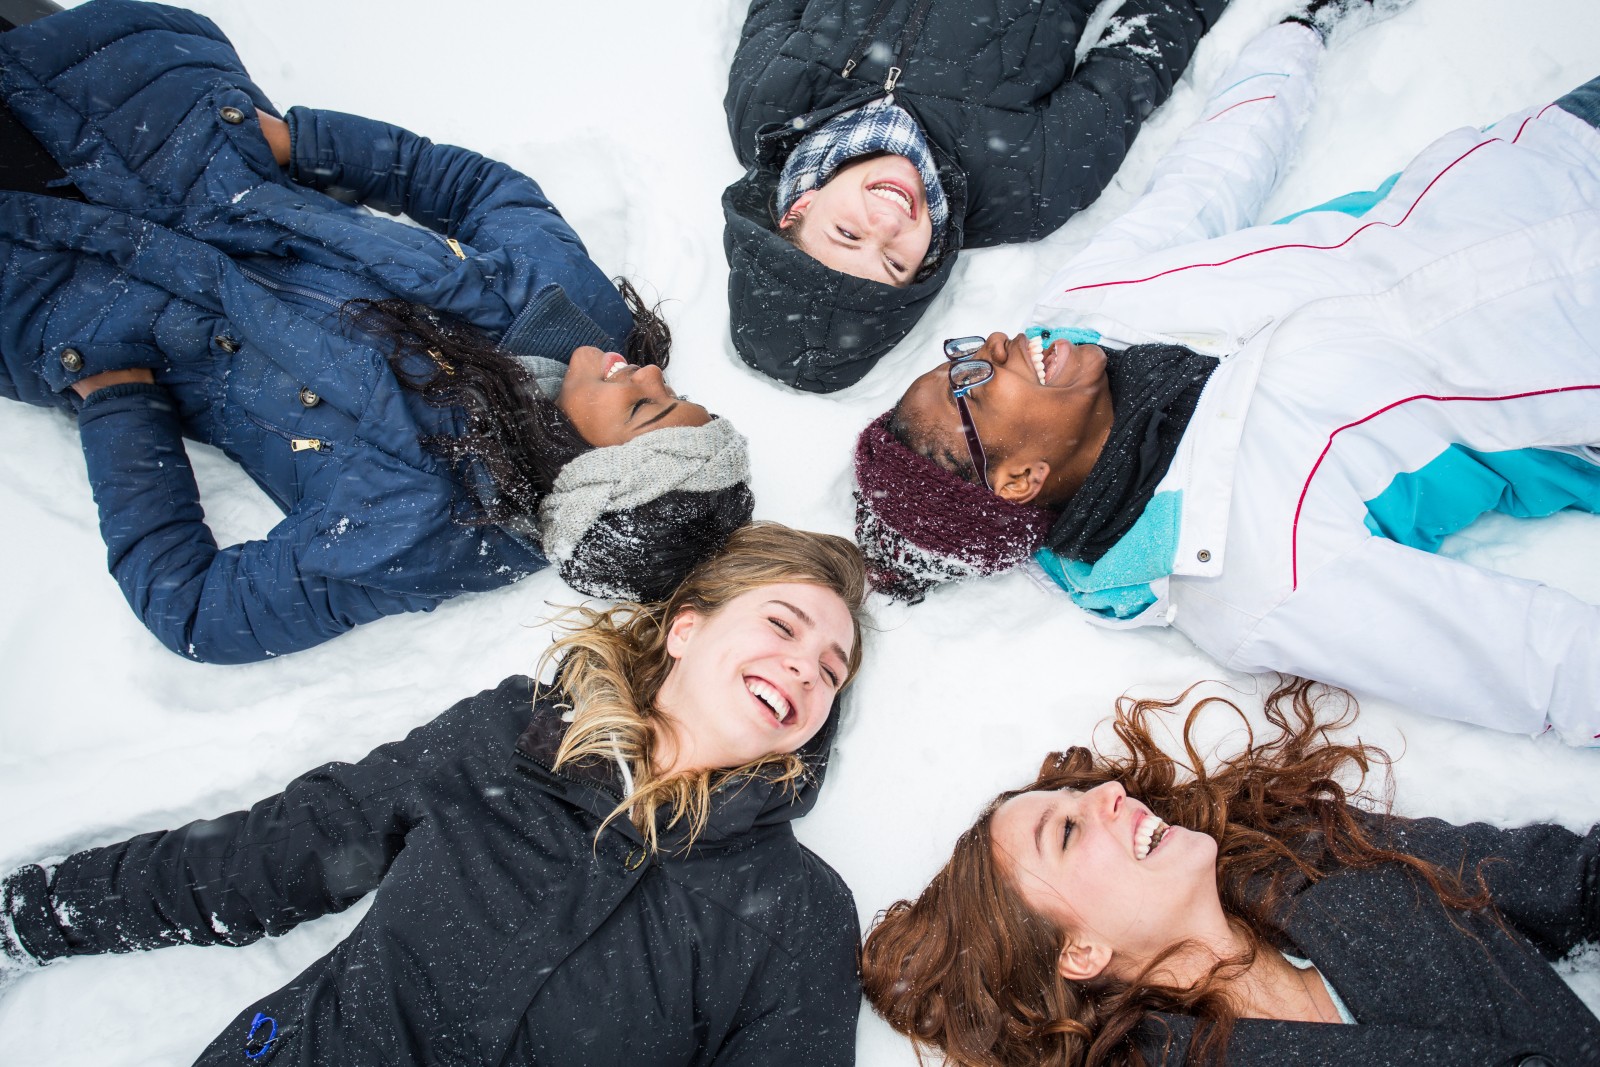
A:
{"x":1120,"y":586}
{"x":1423,"y":507}
{"x":1353,"y":204}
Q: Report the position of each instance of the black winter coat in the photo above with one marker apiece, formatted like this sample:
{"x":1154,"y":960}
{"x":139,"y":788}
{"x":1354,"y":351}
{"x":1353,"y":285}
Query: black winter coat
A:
{"x":1024,"y":140}
{"x":1430,"y":987}
{"x":503,"y":931}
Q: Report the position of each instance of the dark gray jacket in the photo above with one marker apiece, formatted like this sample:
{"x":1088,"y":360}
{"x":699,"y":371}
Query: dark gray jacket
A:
{"x":503,"y":931}
{"x":1430,"y":987}
{"x":1024,"y":139}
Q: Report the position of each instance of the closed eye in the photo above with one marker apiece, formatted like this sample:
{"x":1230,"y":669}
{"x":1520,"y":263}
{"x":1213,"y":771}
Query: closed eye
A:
{"x":1066,"y":832}
{"x":637,"y":405}
{"x":782,"y":627}
{"x":846,"y":234}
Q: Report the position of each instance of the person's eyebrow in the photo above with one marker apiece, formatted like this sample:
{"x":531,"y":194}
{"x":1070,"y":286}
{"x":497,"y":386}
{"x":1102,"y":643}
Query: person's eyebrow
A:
{"x":658,"y":416}
{"x":803,"y":617}
{"x":1038,"y":831}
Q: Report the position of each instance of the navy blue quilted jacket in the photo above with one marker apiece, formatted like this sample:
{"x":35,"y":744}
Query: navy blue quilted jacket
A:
{"x":199,"y":257}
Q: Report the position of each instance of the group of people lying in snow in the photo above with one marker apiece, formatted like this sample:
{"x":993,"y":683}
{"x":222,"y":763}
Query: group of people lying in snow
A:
{"x":1257,"y":434}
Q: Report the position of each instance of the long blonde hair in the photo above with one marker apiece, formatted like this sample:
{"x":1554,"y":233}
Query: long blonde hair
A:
{"x":613,"y":663}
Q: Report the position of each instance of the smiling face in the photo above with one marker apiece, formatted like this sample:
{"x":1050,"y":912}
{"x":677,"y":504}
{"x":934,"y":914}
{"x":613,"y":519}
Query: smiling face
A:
{"x":610,"y":401}
{"x":870,"y":220}
{"x":1120,"y":882}
{"x":755,"y":678}
{"x":1042,"y":422}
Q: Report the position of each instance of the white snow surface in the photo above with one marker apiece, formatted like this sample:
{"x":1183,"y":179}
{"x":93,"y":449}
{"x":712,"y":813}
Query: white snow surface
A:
{"x":616,"y":109}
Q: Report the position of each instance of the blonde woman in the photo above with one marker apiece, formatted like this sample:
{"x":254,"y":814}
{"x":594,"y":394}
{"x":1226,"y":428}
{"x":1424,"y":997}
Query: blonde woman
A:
{"x":597,"y":871}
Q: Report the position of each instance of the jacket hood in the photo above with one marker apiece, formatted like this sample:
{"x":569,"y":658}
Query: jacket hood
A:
{"x":794,"y":319}
{"x":737,"y":808}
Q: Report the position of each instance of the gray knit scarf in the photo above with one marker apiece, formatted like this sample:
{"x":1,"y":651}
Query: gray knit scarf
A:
{"x":686,"y":459}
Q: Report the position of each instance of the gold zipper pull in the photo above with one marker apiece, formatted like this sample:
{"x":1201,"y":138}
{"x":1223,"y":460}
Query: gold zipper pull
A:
{"x":455,"y":246}
{"x":305,"y":444}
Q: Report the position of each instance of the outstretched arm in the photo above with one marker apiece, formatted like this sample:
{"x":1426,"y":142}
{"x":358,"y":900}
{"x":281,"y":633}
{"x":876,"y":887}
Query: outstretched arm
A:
{"x":1091,"y":121}
{"x":521,"y":243}
{"x":1218,"y":175}
{"x":314,"y":849}
{"x":1434,"y":634}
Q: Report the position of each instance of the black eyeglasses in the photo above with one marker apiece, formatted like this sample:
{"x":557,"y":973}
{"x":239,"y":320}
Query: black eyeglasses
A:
{"x":967,"y":372}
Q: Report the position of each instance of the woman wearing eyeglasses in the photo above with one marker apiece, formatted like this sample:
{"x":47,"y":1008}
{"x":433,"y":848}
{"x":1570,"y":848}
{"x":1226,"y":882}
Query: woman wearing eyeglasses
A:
{"x":598,"y":871}
{"x":1260,"y":434}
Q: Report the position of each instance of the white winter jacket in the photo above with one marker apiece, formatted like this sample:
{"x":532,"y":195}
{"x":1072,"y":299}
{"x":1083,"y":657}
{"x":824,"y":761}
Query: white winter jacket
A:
{"x":1385,"y":378}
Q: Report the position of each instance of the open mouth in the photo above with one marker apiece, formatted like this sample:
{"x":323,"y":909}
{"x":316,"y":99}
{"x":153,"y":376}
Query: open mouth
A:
{"x":1149,"y":833}
{"x":897,"y":195}
{"x":1046,"y":364}
{"x":613,"y":365}
{"x":781,"y":710}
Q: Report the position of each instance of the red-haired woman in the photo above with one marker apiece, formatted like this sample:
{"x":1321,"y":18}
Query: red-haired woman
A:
{"x":1127,"y":909}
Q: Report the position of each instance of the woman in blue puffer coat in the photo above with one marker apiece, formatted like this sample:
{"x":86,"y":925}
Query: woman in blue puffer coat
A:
{"x":437,"y":409}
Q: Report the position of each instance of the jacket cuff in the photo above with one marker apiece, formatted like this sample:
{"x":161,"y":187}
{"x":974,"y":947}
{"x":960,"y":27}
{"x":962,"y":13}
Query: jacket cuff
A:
{"x":25,"y":900}
{"x":94,"y":401}
{"x":551,"y":325}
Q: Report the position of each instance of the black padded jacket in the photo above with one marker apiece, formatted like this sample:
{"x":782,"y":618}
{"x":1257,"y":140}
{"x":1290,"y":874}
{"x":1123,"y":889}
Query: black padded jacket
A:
{"x":503,"y":931}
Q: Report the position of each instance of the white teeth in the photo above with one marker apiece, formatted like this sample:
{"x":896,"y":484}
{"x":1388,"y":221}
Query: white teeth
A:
{"x":1147,"y":836}
{"x":614,"y":371}
{"x":769,"y":696}
{"x":890,"y":193}
{"x":1036,"y":353}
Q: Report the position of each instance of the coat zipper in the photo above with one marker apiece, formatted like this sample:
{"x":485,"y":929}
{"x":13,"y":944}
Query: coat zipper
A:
{"x":286,"y":287}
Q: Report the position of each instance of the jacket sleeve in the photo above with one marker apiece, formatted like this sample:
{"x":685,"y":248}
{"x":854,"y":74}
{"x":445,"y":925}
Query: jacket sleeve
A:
{"x":1218,"y":175}
{"x":314,"y":849}
{"x":801,"y":1010}
{"x":1545,"y":879}
{"x":235,"y":605}
{"x":497,"y":210}
{"x":748,"y":102}
{"x":1432,"y":633}
{"x":1091,"y":121}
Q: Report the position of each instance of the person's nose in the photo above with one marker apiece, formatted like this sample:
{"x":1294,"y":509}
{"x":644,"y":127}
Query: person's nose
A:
{"x":802,"y":668}
{"x":650,"y":377}
{"x":884,"y":220}
{"x":1108,"y":797}
{"x":996,"y":350}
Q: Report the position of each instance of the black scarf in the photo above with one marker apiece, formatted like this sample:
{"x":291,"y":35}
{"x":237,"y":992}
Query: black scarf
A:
{"x":1154,"y":390}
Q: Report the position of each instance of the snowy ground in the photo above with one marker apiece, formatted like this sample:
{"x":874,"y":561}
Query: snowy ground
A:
{"x":616,"y":109}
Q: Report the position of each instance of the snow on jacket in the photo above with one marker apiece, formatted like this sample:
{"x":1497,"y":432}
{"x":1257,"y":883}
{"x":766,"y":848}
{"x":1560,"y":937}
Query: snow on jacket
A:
{"x":1386,"y":378}
{"x":200,"y":258}
{"x":504,"y":930}
{"x":1024,"y":137}
{"x":1431,"y":987}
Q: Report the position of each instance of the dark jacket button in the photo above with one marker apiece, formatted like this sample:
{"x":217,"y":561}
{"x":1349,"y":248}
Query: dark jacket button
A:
{"x":228,"y":344}
{"x":231,"y":115}
{"x":72,"y":359}
{"x":309,"y":397}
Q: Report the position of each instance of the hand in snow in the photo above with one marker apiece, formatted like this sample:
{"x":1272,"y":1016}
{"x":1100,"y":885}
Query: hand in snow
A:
{"x":14,"y":959}
{"x":1347,"y":15}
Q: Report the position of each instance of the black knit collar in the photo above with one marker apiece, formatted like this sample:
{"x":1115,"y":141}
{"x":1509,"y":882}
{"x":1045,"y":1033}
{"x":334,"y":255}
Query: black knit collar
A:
{"x":1154,"y":390}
